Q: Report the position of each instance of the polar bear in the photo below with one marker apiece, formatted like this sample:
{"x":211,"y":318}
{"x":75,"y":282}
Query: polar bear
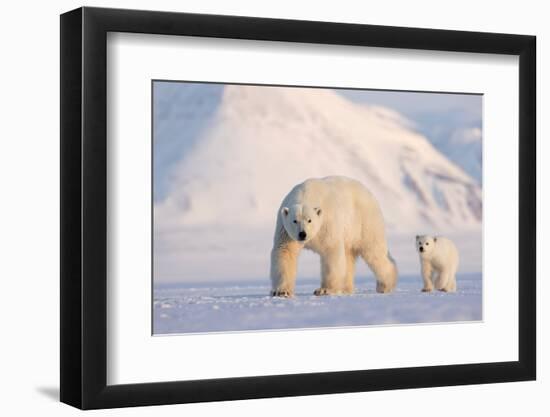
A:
{"x":438,"y":261}
{"x":339,"y":219}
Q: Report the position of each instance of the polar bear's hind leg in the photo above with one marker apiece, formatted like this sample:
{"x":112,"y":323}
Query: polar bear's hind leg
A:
{"x":384,"y":269}
{"x":451,"y":284}
{"x":451,"y":287}
{"x":443,"y":282}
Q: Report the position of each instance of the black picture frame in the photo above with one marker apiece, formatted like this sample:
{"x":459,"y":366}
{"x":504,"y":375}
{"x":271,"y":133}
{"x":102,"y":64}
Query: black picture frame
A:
{"x":84,"y":207}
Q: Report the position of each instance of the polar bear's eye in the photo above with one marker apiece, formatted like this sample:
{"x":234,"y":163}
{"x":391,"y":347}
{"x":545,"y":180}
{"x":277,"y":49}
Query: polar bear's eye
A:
{"x":295,"y":221}
{"x":427,"y":243}
{"x":309,"y":221}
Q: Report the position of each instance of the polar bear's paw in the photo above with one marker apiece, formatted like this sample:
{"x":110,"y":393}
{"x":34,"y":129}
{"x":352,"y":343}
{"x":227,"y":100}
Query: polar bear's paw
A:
{"x":427,"y":289}
{"x":325,"y":291}
{"x":281,"y":293}
{"x":383,"y":288}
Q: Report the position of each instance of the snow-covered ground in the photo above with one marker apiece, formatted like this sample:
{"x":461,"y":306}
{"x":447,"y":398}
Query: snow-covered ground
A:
{"x":246,"y":306}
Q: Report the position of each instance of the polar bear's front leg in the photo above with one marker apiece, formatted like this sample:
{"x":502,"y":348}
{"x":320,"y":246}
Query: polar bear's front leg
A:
{"x":333,"y":271}
{"x":427,"y":272}
{"x":284,"y":261}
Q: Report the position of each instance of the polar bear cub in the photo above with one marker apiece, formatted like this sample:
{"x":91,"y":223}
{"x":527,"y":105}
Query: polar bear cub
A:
{"x":438,"y":261}
{"x":339,"y":219}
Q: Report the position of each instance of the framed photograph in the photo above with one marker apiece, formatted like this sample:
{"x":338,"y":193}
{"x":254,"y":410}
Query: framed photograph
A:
{"x":258,"y":207}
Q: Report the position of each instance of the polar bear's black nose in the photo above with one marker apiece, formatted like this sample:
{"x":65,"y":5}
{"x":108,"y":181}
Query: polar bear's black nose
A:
{"x":421,"y":249}
{"x":302,"y":235}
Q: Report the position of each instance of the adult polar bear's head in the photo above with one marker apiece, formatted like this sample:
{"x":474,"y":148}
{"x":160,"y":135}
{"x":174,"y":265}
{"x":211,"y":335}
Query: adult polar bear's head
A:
{"x":301,"y":222}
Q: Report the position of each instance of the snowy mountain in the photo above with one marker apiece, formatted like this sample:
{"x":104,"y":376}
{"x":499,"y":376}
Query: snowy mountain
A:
{"x":227,"y":155}
{"x":451,"y":122}
{"x":459,"y":138}
{"x":465,"y":149}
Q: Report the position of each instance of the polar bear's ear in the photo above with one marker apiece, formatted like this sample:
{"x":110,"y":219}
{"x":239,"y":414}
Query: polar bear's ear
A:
{"x":318,"y":211}
{"x":284,"y":211}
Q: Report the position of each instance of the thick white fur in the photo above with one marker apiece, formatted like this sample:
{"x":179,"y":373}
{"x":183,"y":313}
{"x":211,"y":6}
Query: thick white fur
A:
{"x":438,"y":261}
{"x":346,"y":222}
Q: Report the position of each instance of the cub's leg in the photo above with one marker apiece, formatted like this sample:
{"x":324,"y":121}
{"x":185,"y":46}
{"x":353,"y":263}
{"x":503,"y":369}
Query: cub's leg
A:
{"x":451,"y":286}
{"x":444,"y":279}
{"x":451,"y":283}
{"x":427,"y":276}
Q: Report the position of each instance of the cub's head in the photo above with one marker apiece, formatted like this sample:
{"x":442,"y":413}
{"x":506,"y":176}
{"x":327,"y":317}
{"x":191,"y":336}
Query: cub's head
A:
{"x":301,"y":222}
{"x":425,"y":244}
